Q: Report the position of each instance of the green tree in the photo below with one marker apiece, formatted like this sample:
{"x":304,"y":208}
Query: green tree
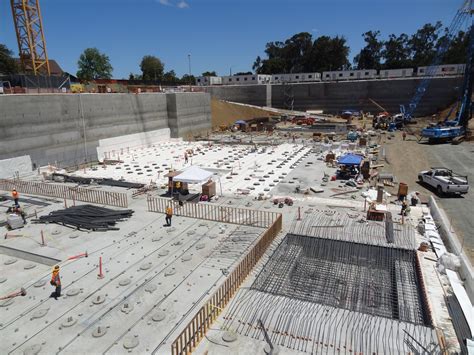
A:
{"x":396,"y":52}
{"x":187,"y":79}
{"x":134,"y":77}
{"x":257,"y":64}
{"x":456,"y":52}
{"x":369,"y":57}
{"x":423,"y":44}
{"x":94,"y":65}
{"x":8,"y":65}
{"x":209,"y":73}
{"x":328,"y":54}
{"x":152,"y":68}
{"x":300,"y":54}
{"x":170,"y":77}
{"x":243,"y":73}
{"x":297,"y":51}
{"x":273,"y":66}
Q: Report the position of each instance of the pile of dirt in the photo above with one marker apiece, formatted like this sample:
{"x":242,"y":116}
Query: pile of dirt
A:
{"x":225,"y":113}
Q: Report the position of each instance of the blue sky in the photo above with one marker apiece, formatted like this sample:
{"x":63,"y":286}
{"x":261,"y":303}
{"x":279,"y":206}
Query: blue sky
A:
{"x":218,"y":34}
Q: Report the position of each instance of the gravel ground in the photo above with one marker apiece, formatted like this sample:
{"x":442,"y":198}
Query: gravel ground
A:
{"x":406,"y":159}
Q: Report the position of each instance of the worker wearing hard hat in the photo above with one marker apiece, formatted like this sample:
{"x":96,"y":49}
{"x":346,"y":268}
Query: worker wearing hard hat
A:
{"x":56,"y":281}
{"x":16,"y":197}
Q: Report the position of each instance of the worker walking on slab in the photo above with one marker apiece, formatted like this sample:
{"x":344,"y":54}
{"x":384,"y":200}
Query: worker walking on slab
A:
{"x":169,"y":215}
{"x":56,"y":281}
{"x":16,"y":197}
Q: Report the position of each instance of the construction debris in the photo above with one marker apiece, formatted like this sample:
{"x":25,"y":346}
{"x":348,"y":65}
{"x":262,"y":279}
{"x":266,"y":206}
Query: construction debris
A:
{"x":87,"y":217}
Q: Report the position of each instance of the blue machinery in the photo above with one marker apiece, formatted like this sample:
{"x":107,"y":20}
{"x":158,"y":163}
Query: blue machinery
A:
{"x":448,"y":129}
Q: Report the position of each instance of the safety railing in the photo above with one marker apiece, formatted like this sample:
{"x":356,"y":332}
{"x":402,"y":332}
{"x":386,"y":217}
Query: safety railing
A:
{"x":245,"y":216}
{"x":117,"y":199}
{"x":196,"y":329}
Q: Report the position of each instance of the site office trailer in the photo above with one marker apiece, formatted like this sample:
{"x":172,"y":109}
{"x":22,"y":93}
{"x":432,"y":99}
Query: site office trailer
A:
{"x":349,"y":75}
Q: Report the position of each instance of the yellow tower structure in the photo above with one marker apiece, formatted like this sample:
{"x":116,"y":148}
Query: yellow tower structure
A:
{"x":30,"y":36}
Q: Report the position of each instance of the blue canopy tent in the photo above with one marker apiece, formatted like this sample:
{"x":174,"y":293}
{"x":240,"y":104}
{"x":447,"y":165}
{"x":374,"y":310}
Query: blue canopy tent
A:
{"x":350,"y":160}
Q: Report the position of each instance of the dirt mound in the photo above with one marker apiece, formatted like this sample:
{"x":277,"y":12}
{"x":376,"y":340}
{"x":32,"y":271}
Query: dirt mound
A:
{"x":225,"y":113}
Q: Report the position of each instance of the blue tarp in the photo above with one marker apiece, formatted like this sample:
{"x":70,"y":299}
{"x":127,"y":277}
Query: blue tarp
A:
{"x":350,"y":159}
{"x":240,"y":122}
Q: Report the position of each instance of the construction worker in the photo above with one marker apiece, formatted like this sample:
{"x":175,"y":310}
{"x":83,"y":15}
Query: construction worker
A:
{"x":56,"y":281}
{"x":405,"y":208}
{"x":185,"y":157}
{"x":404,"y":135}
{"x":169,"y":215}
{"x":16,"y":197}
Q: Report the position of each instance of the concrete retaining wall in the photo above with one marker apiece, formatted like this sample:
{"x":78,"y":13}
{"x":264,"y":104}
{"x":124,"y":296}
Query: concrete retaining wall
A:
{"x":453,"y":245}
{"x":334,"y":97}
{"x":245,"y":94}
{"x":66,"y":129}
{"x":188,"y":114}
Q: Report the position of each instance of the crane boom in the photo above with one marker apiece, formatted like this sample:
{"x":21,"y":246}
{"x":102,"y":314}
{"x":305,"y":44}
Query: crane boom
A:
{"x":30,"y":36}
{"x":461,"y":16}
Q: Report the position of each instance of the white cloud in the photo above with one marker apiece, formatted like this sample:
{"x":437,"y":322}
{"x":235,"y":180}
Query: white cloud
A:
{"x":165,"y":2}
{"x":183,"y":4}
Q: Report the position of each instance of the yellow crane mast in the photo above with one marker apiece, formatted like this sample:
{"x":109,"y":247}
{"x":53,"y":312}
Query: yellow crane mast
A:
{"x":30,"y":36}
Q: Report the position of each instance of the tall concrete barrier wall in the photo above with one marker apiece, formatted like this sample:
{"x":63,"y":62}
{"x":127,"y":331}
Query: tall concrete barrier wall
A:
{"x":334,"y":97}
{"x":245,"y":94}
{"x":188,"y":114}
{"x":66,"y":129}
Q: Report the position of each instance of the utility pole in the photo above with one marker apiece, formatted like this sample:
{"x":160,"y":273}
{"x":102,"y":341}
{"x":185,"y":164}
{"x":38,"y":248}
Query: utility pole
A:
{"x":189,"y":62}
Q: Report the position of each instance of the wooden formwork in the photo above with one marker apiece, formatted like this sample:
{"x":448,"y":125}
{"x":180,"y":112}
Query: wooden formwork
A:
{"x":244,"y":216}
{"x":196,"y":329}
{"x":117,"y":199}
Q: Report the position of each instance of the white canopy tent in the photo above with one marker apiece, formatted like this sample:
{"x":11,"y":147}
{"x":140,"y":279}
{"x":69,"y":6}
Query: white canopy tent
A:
{"x":193,"y":175}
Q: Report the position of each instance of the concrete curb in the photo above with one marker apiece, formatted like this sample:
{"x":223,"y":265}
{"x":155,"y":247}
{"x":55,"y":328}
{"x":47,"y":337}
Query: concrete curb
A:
{"x":466,"y":271}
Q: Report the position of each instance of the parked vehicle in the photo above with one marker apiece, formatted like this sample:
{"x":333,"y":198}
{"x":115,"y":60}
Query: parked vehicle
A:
{"x":445,"y":181}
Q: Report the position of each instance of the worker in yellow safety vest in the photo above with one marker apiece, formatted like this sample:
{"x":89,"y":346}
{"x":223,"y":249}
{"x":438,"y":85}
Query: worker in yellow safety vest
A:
{"x":56,"y":281}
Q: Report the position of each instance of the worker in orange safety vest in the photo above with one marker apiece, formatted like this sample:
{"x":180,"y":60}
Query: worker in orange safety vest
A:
{"x":169,"y":214}
{"x":56,"y":281}
{"x":16,"y":197}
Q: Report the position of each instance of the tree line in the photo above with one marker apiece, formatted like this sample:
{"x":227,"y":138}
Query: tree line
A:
{"x":299,"y":53}
{"x":302,"y":53}
{"x":93,"y":64}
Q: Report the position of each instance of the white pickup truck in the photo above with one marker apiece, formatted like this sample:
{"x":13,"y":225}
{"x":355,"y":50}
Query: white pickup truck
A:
{"x":444,"y":181}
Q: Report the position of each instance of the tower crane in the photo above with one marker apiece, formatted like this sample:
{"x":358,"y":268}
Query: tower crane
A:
{"x":30,"y":36}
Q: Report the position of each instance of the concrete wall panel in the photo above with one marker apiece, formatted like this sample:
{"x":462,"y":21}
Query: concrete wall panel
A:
{"x":51,"y":128}
{"x":334,"y":97}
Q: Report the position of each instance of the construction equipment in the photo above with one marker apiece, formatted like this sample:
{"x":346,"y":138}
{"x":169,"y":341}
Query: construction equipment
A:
{"x":303,"y":120}
{"x":30,"y":36}
{"x":461,"y":16}
{"x":456,"y":129}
